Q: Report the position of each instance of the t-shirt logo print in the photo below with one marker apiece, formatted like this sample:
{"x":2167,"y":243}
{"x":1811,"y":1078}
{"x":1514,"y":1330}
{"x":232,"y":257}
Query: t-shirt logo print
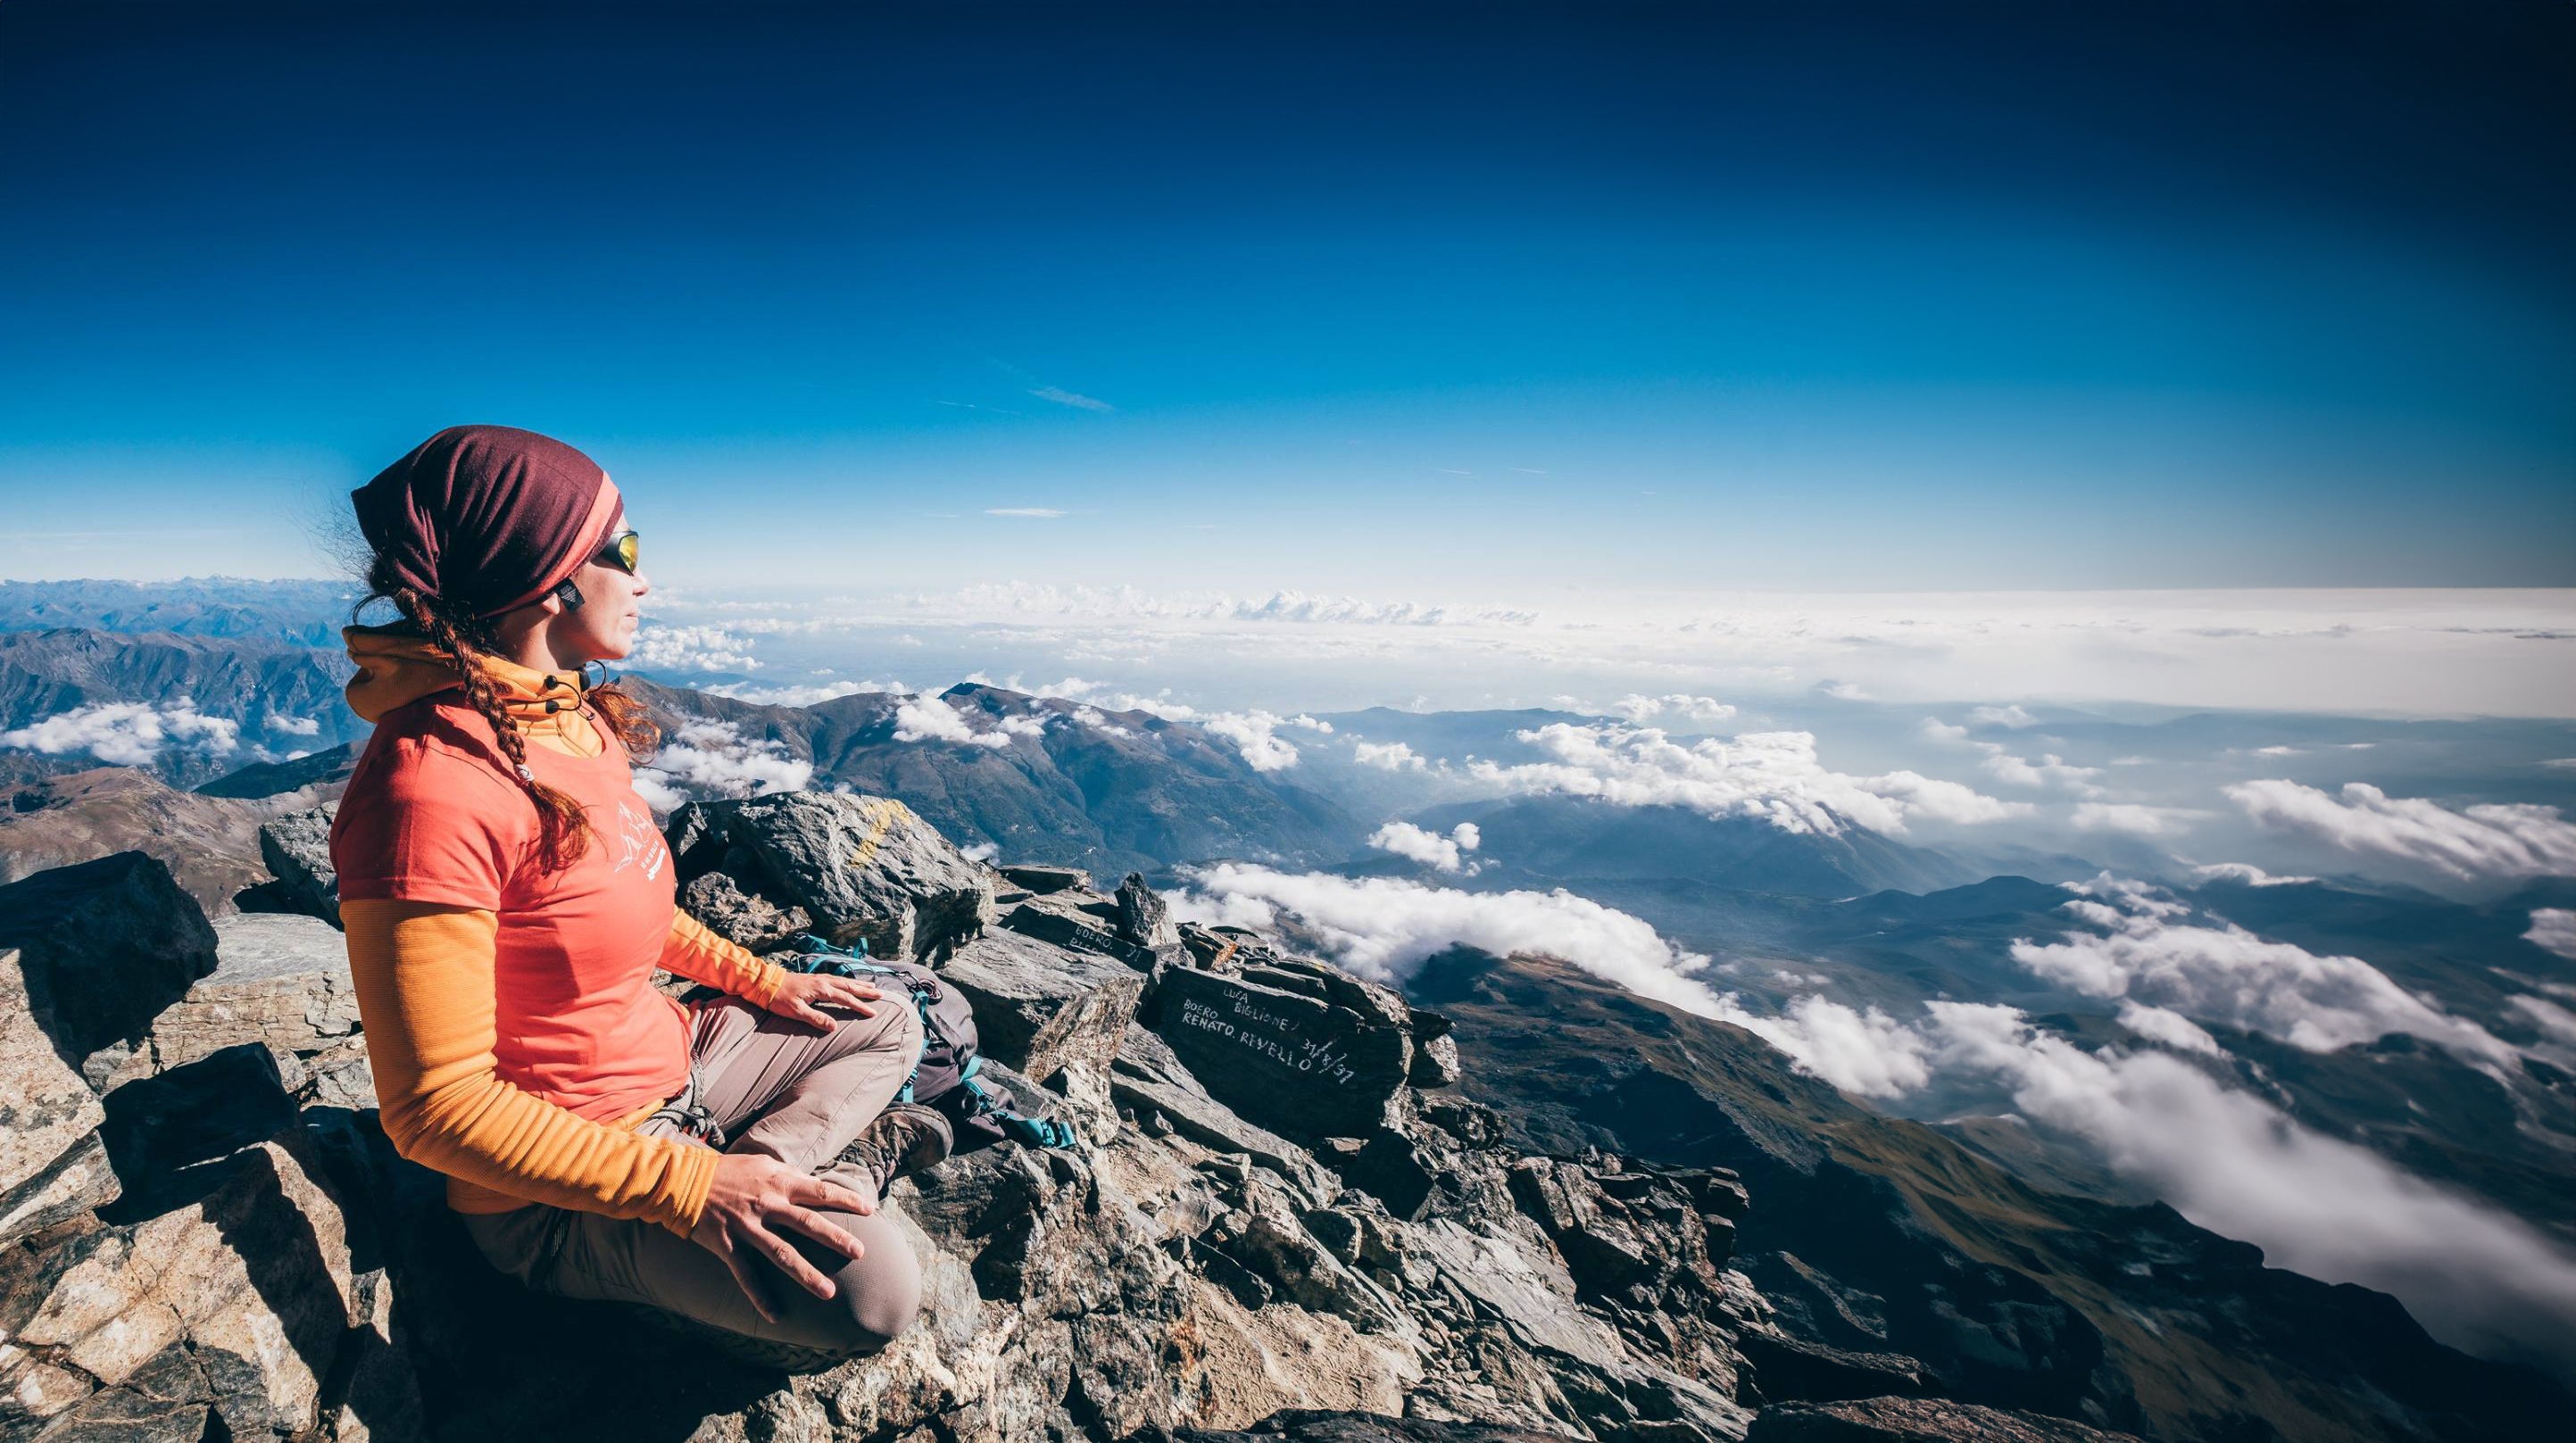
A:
{"x":640,"y":842}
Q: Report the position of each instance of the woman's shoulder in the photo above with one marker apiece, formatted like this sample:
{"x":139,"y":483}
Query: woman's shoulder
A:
{"x":430,"y":815}
{"x":428,"y":748}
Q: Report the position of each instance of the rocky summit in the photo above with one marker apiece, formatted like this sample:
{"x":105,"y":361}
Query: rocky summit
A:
{"x":1295,"y":1207}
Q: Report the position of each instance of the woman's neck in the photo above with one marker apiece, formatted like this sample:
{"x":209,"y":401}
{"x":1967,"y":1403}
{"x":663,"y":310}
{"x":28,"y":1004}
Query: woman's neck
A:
{"x":534,"y":648}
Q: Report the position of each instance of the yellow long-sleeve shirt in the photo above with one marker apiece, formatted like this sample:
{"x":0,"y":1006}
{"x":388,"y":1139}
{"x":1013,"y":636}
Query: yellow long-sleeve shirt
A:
{"x":454,"y":926}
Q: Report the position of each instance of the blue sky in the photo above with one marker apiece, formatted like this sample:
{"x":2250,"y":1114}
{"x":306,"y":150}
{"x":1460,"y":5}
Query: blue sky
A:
{"x":1450,"y":301}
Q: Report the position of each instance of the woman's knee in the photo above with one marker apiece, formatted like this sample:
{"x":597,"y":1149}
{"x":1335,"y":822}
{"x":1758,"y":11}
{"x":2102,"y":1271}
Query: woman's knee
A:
{"x":904,"y":1032}
{"x":878,"y":1294}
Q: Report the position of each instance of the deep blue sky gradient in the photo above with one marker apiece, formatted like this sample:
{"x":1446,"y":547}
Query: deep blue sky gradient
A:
{"x":1814,"y":296}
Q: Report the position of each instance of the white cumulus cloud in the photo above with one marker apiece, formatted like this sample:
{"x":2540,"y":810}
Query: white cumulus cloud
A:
{"x":2553,"y":928}
{"x":1698,"y":710}
{"x":1429,"y":848}
{"x":692,"y":648}
{"x":128,"y":734}
{"x":1384,"y":928}
{"x":2134,"y":818}
{"x":1255,"y":734}
{"x":1387,"y":756}
{"x":2247,"y":874}
{"x":806,"y":695}
{"x":930,"y":719}
{"x":2235,"y":1164}
{"x":713,"y":759}
{"x":2494,"y":841}
{"x":2221,"y":973}
{"x":1771,"y":775}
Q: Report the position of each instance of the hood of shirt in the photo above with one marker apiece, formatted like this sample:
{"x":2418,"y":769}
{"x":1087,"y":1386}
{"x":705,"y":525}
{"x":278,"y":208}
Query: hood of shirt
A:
{"x":397,"y":666}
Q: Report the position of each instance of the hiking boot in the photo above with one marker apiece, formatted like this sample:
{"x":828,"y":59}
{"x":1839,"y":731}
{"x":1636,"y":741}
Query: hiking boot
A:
{"x":904,"y":1139}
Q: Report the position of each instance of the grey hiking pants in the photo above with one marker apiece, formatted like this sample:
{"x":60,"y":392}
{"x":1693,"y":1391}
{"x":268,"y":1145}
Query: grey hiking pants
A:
{"x":777,"y":1087}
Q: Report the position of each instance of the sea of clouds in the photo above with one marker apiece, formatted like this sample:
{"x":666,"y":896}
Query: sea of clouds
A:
{"x":2161,"y":1110}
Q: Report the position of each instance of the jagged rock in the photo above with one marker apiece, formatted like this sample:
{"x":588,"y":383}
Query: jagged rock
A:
{"x":280,"y":979}
{"x":1057,"y":1017}
{"x":864,"y":868}
{"x":1435,"y":1061}
{"x":1043,"y":880}
{"x":1309,"y":1426}
{"x":104,"y":946}
{"x":252,"y":1278}
{"x":297,"y":848}
{"x":1061,"y":928}
{"x":161,"y":1132}
{"x":1303,"y":1050}
{"x":166,"y":1400}
{"x":1472,"y":1123}
{"x":1788,"y":1368}
{"x":1210,"y":950}
{"x":1148,"y":1074}
{"x":1144,"y":918}
{"x":1202,"y":1272}
{"x":1917,"y":1420}
{"x":1518,"y":1284}
{"x":1264,"y":1233}
{"x":719,"y":901}
{"x":52,"y":1166}
{"x":1397,"y":1170}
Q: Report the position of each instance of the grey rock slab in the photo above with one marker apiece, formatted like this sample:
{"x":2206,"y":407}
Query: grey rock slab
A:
{"x":1056,"y":1016}
{"x":253,"y":1277}
{"x":1916,"y":1420}
{"x":104,"y":946}
{"x":1299,"y":1061}
{"x":297,"y":849}
{"x":164,"y":1401}
{"x":1144,"y":918}
{"x":1792,"y":1369}
{"x":1266,"y":1236}
{"x":82,"y":1180}
{"x":1520,"y":1282}
{"x":1315,"y":1426}
{"x":1435,"y":1061}
{"x":280,"y":979}
{"x":1149,"y":1077}
{"x":47,"y":1114}
{"x":1038,"y":1006}
{"x":1043,"y":880}
{"x":864,"y":868}
{"x":719,"y":901}
{"x":1075,"y":932}
{"x":169,"y":1136}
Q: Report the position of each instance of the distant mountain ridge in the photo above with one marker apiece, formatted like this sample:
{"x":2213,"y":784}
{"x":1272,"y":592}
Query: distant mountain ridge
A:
{"x":281,"y":697}
{"x":1886,"y":1235}
{"x":297,"y":613}
{"x":1128,"y":791}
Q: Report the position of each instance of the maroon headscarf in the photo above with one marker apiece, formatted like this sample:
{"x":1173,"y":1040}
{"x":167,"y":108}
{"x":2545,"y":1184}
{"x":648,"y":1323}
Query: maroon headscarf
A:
{"x":486,"y":518}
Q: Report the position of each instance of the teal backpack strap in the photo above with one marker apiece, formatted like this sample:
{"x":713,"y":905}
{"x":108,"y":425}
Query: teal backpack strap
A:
{"x":1021,"y":1128}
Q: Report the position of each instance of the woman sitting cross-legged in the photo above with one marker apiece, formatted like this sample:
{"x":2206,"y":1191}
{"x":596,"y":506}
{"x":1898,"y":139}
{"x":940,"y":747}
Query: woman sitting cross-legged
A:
{"x":507,"y":898}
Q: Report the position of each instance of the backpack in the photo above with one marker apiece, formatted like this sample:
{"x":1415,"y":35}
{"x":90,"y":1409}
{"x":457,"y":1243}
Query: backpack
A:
{"x":947,"y":1074}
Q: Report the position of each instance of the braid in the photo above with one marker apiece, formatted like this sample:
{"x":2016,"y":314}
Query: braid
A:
{"x":626,"y":717}
{"x":561,"y":836}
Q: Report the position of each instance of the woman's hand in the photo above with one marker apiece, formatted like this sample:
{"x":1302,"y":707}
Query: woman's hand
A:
{"x":752,"y":1198}
{"x":804,"y":995}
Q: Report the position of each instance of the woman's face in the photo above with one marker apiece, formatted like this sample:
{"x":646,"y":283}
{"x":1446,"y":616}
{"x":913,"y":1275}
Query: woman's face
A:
{"x":602,"y":628}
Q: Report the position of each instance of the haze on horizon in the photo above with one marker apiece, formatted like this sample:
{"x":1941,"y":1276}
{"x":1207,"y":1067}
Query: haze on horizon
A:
{"x":1395,"y":306}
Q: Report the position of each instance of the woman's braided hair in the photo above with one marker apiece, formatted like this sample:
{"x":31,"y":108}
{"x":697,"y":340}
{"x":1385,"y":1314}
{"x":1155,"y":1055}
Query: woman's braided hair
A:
{"x":464,"y":640}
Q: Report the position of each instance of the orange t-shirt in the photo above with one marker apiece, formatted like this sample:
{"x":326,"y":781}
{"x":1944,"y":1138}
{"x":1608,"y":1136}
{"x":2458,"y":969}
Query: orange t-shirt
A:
{"x":432,"y":815}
